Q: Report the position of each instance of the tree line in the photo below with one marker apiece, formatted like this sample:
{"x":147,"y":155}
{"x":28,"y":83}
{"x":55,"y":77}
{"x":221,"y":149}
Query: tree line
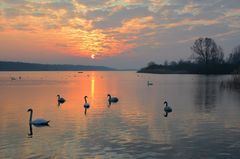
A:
{"x":207,"y":58}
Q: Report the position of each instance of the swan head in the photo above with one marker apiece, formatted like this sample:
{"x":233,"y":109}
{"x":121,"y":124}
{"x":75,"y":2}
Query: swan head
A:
{"x":58,"y":95}
{"x":85,"y":97}
{"x":109,"y":95}
{"x":29,"y":110}
{"x":165,"y":102}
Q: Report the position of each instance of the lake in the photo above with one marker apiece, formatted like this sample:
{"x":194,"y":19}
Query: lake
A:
{"x":205,"y":122}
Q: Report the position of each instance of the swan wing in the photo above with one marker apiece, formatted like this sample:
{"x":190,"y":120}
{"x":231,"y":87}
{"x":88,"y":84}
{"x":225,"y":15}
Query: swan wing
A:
{"x":114,"y":99}
{"x":61,"y":100}
{"x":86,"y":105}
{"x":167,"y":109}
{"x":40,"y":122}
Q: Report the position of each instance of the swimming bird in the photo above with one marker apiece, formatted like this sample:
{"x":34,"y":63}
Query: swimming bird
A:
{"x":13,"y":78}
{"x":60,"y":99}
{"x":149,"y":83}
{"x":167,"y":109}
{"x":86,"y":105}
{"x":112,"y":99}
{"x":37,"y":122}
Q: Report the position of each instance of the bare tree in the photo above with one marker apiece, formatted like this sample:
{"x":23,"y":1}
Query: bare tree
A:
{"x":207,"y":52}
{"x":234,"y":57}
{"x":151,"y":63}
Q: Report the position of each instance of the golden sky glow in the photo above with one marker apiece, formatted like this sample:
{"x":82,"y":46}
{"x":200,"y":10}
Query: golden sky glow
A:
{"x":71,"y":29}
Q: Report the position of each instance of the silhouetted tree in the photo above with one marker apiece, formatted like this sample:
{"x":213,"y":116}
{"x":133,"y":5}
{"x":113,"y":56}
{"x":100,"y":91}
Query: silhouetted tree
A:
{"x":173,"y":63}
{"x":234,"y":57}
{"x":207,"y":53}
{"x":166,"y":63}
{"x":151,"y":63}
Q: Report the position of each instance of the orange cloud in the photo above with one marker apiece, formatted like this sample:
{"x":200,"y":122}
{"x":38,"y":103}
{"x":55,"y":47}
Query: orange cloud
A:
{"x":76,"y":35}
{"x":136,"y":25}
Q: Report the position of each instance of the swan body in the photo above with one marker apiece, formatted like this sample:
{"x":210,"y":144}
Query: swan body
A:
{"x":167,"y":108}
{"x":112,"y":99}
{"x":149,"y":83}
{"x":37,"y":122}
{"x":60,"y":99}
{"x":86,"y":104}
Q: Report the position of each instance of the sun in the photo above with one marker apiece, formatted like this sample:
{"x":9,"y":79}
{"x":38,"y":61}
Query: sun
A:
{"x":93,"y":56}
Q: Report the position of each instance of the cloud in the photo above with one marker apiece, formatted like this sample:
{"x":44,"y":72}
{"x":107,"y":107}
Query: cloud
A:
{"x":192,"y":9}
{"x":22,"y":26}
{"x":92,"y":2}
{"x":124,"y":14}
{"x":11,"y":12}
{"x":67,"y":5}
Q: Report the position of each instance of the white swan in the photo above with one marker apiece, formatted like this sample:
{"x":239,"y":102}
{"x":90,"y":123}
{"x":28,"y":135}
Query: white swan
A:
{"x":167,"y":109}
{"x":149,"y":83}
{"x":86,"y":105}
{"x":37,"y":122}
{"x":112,"y":99}
{"x":60,"y":99}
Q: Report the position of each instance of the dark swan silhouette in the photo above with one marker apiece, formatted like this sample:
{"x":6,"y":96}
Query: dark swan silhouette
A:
{"x":60,"y":99}
{"x":37,"y":122}
{"x":167,"y":109}
{"x":86,"y":104}
{"x":112,"y":99}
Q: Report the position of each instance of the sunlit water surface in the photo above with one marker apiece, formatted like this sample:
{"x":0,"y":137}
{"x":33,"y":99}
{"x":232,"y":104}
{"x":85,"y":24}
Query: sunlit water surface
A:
{"x":205,"y":122}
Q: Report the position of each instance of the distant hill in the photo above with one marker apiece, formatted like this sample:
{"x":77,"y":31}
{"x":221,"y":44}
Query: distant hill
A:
{"x":22,"y":66}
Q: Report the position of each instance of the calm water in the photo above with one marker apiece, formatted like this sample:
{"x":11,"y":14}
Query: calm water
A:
{"x":205,"y":122}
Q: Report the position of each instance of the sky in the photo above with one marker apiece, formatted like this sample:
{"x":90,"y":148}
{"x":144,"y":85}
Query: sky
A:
{"x":124,"y":34}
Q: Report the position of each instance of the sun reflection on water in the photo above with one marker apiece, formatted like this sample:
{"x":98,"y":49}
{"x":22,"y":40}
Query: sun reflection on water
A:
{"x":92,"y":86}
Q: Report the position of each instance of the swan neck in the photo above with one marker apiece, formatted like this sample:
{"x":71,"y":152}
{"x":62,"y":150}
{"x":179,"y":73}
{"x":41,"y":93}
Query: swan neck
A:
{"x":85,"y":99}
{"x":109,"y":97}
{"x":30,"y":118}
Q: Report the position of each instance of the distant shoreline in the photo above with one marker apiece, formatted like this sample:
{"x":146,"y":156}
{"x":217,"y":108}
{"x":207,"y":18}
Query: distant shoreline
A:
{"x":22,"y":66}
{"x":178,"y":72}
{"x":187,"y":67}
{"x":181,"y":73}
{"x":163,"y":72}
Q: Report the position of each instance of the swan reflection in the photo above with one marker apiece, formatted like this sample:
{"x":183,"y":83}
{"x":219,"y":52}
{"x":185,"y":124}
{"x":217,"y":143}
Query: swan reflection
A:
{"x":85,"y":111}
{"x":30,"y":134}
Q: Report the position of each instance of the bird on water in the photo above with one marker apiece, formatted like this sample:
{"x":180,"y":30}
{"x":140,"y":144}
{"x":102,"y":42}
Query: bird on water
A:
{"x":37,"y":122}
{"x":167,"y":109}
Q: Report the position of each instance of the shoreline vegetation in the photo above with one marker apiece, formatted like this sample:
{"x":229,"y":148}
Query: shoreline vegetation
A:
{"x":187,"y":67}
{"x":22,"y":66}
{"x":207,"y":58}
